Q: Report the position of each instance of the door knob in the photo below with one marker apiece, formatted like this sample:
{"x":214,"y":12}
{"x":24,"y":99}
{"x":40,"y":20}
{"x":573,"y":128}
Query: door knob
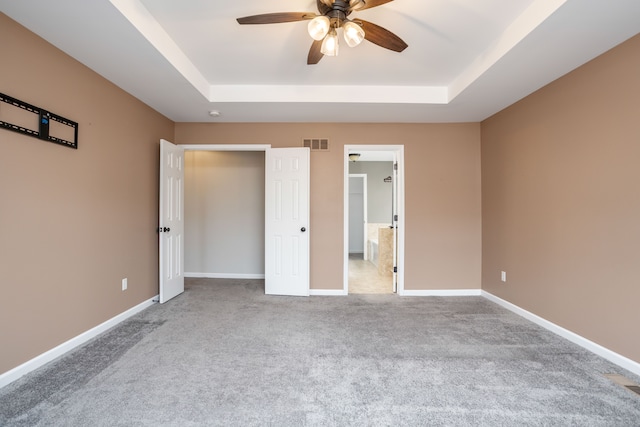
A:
{"x":303,"y":229}
{"x":166,"y":229}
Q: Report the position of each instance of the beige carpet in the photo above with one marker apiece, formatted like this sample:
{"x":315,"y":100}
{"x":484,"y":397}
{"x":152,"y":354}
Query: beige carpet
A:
{"x":225,"y":354}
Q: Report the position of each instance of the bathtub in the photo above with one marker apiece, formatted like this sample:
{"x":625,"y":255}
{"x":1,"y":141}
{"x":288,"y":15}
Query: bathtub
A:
{"x":373,"y":251}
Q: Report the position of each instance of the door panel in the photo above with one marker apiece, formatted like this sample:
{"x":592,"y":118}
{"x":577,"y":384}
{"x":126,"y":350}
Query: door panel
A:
{"x":287,"y":221}
{"x":171,"y":217}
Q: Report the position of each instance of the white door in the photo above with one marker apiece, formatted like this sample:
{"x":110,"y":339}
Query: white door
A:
{"x":394,"y":223}
{"x":287,"y":221}
{"x":171,"y":225}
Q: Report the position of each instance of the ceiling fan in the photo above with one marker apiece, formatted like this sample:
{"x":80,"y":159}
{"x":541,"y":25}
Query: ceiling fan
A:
{"x":333,"y":15}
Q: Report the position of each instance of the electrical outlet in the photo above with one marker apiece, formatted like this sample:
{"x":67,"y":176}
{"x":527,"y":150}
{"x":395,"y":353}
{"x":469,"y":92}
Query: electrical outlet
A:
{"x":124,"y":284}
{"x":503,"y":276}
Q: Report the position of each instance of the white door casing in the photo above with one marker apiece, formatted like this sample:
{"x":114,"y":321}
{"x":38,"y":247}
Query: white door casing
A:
{"x":171,"y":224}
{"x":397,"y":153}
{"x":287,"y":221}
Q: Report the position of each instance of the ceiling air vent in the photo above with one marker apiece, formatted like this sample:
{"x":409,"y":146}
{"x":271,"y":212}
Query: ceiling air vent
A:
{"x":316,"y":144}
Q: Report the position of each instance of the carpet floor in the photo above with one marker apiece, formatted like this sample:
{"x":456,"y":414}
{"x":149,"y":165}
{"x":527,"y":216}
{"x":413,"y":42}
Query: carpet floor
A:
{"x":225,"y":354}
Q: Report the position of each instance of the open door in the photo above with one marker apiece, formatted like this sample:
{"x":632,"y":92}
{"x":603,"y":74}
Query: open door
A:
{"x":287,"y":221}
{"x":394,"y":222}
{"x":171,"y":225}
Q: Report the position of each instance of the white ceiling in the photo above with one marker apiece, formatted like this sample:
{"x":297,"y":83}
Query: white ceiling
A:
{"x":466,"y":60}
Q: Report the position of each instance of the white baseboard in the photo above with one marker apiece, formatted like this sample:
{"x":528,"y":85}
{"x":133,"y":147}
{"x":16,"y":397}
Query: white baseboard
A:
{"x":420,"y":293}
{"x":38,"y":361}
{"x":223,"y":276}
{"x":441,"y":293}
{"x":601,"y":351}
{"x":327,"y":292}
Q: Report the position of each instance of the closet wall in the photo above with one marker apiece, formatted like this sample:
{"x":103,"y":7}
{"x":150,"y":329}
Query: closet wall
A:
{"x":224,"y":214}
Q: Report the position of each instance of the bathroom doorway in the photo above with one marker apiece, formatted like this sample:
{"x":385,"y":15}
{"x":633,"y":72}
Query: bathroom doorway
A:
{"x":374,"y":203}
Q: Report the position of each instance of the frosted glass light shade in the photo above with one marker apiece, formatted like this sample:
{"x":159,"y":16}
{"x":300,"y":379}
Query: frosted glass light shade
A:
{"x":319,"y":27}
{"x":353,"y":34}
{"x":330,"y":44}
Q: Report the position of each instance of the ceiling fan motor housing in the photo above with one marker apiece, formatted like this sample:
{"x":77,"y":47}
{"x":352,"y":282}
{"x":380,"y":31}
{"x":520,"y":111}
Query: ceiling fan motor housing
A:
{"x":339,"y":9}
{"x":337,"y":13}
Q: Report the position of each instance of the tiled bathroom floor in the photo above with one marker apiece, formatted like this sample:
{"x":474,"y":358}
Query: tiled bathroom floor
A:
{"x":365,"y":279}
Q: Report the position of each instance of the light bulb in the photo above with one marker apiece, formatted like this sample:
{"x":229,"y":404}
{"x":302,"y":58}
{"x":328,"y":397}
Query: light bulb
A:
{"x":319,"y":27}
{"x":353,"y":34}
{"x":330,"y":44}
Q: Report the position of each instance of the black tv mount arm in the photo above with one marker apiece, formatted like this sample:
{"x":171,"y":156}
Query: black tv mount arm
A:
{"x":44,"y":117}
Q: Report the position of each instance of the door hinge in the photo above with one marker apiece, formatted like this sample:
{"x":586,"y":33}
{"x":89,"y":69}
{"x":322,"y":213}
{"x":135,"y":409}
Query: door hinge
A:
{"x":395,"y":217}
{"x":395,"y":269}
{"x":395,"y":166}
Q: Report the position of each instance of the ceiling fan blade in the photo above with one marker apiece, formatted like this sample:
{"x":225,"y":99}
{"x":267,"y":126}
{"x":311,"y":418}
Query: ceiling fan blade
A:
{"x":314,"y":53}
{"x":382,"y":37}
{"x":276,"y":18}
{"x":373,"y":3}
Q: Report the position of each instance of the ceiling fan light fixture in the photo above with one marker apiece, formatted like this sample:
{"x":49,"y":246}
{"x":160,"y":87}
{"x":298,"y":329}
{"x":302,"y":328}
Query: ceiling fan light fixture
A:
{"x":353,"y":34}
{"x":330,"y":45}
{"x":319,"y":27}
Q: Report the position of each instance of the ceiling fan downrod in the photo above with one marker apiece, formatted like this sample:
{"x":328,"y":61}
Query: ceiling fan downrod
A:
{"x":350,"y":4}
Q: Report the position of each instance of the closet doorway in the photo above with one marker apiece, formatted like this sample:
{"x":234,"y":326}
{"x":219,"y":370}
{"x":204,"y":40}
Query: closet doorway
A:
{"x":224,"y":214}
{"x":286,"y":243}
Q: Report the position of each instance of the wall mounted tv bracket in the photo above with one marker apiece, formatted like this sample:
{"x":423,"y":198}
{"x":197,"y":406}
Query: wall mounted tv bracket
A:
{"x":44,"y":119}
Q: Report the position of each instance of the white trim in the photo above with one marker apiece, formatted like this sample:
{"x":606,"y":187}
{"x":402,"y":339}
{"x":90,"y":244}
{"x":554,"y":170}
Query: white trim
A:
{"x":46,"y":357}
{"x":223,"y":276}
{"x":225,"y":147}
{"x":441,"y":293}
{"x":140,"y":17}
{"x":601,"y":351}
{"x":330,"y":93}
{"x":327,"y":292}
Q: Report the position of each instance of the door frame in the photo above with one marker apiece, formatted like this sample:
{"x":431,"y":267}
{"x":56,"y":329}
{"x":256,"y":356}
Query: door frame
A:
{"x":363,"y":176}
{"x":225,"y":147}
{"x":398,"y":151}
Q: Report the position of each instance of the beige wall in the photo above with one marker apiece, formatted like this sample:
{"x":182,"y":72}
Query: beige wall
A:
{"x":443,"y":223}
{"x":561,"y":201}
{"x":73,"y":223}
